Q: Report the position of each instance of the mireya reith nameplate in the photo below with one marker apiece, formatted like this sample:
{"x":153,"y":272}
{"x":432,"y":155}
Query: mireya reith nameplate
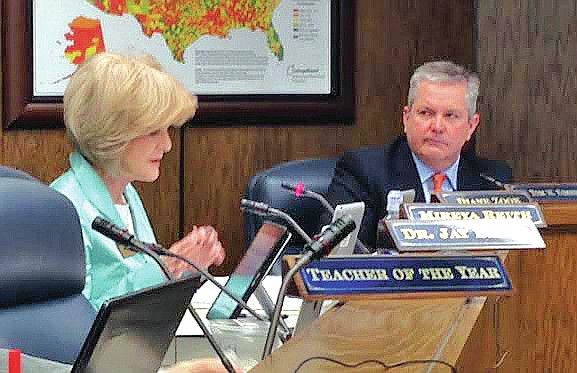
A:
{"x":484,"y":234}
{"x":438,"y":211}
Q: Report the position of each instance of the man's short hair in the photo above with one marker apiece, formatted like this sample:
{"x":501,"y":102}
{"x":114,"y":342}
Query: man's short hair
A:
{"x":112,"y":99}
{"x":445,"y":72}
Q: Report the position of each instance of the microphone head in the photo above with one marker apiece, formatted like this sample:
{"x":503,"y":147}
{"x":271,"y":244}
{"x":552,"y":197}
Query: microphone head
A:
{"x":260,"y":208}
{"x":287,"y":186}
{"x":111,"y":231}
{"x":298,"y":189}
{"x":332,"y":236}
{"x":492,"y":180}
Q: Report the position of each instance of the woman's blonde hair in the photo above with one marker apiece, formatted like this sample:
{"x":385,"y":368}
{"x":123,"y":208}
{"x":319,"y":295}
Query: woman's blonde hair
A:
{"x":112,"y":99}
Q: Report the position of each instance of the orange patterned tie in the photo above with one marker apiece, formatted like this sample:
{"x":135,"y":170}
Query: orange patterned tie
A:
{"x":438,"y":180}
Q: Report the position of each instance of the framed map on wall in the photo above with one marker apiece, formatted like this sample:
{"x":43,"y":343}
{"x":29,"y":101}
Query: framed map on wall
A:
{"x":249,"y":61}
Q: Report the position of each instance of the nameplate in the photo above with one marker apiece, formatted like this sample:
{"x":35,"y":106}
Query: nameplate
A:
{"x":483,"y":197}
{"x":484,"y":234}
{"x":548,"y":191}
{"x":436,"y":211}
{"x":366,"y":277}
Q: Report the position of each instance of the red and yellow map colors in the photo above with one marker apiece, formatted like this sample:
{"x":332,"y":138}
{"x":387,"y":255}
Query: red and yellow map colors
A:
{"x":86,"y":37}
{"x":182,"y":22}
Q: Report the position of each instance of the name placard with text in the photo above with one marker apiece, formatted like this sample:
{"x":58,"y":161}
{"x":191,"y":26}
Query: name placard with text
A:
{"x":482,"y":197}
{"x":368,"y":277}
{"x":437,"y":211}
{"x":483,"y":234}
{"x":564,"y":192}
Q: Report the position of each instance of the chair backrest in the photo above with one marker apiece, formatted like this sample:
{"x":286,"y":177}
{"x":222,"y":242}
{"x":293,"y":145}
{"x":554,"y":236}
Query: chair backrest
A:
{"x":12,"y":172}
{"x":315,"y":174}
{"x":42,"y":269}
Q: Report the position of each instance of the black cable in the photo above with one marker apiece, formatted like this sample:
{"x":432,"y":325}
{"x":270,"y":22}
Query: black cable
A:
{"x":377,"y":362}
{"x":207,"y":275}
{"x":222,"y":356}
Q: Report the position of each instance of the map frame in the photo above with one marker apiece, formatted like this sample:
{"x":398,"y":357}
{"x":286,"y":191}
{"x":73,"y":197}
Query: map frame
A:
{"x":22,"y":110}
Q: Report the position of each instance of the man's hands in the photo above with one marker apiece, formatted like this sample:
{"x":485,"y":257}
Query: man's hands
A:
{"x":201,"y":246}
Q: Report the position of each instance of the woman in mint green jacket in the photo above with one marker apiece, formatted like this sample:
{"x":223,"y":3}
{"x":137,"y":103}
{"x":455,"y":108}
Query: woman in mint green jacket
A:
{"x":118,"y":111}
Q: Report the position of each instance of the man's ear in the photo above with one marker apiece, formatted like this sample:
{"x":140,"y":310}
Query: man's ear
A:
{"x":406,"y":113}
{"x":473,"y":123}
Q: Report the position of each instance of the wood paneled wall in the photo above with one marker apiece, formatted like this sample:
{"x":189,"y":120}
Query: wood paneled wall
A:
{"x":392,"y":37}
{"x":527,"y":61}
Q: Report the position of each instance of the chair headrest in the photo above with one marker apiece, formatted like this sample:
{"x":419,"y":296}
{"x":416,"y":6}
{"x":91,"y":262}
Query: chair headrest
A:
{"x":315,"y":174}
{"x":12,"y":172}
{"x":41,"y":247}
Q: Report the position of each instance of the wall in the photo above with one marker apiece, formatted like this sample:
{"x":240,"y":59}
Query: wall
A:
{"x":392,"y":37}
{"x":527,"y":52}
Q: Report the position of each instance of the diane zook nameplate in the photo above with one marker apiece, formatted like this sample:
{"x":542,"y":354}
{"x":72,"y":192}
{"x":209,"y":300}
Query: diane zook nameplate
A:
{"x":367,"y":277}
{"x":437,"y":211}
{"x":483,"y":197}
{"x":484,"y":234}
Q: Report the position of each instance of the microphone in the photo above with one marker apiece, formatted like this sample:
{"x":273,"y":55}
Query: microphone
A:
{"x":492,"y":180}
{"x":299,"y":190}
{"x":330,"y":238}
{"x":124,"y":237}
{"x":114,"y":232}
{"x":262,"y":209}
{"x":321,"y":246}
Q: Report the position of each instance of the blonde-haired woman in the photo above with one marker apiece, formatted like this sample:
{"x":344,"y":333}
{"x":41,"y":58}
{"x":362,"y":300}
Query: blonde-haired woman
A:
{"x":117,"y":111}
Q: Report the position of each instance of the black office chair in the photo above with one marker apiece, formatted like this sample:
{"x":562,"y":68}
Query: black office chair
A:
{"x":42,"y":269}
{"x":315,"y":174}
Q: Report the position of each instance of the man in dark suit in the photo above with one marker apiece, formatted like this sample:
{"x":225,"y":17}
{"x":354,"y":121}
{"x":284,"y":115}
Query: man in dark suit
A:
{"x":439,"y":119}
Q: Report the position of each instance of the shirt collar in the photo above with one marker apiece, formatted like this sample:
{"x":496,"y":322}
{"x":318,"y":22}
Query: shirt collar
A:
{"x":425,"y":172}
{"x":94,"y":187}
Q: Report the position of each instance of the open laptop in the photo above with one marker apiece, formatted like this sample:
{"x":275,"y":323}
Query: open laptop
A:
{"x":132,"y":333}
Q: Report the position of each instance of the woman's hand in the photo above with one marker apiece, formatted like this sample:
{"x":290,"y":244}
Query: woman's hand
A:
{"x":201,"y":246}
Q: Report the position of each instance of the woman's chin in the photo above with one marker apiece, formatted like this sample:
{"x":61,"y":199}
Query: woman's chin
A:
{"x":149,"y":178}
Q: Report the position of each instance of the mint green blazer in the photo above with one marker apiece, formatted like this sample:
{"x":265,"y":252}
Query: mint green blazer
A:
{"x":109,"y":273}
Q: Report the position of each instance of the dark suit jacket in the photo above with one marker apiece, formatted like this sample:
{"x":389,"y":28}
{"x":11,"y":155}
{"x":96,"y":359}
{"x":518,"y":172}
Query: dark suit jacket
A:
{"x":369,"y":174}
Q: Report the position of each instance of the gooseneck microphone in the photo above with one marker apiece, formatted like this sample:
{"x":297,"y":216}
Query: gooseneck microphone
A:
{"x":321,"y":246}
{"x":261,"y":208}
{"x":115,"y":233}
{"x":328,"y":239}
{"x":124,"y":237}
{"x":492,"y":180}
{"x":299,"y":190}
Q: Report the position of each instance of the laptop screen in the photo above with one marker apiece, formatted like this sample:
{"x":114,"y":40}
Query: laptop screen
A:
{"x":132,"y":333}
